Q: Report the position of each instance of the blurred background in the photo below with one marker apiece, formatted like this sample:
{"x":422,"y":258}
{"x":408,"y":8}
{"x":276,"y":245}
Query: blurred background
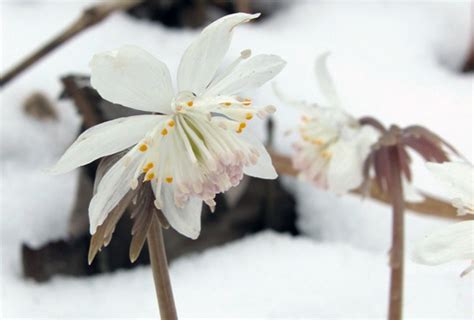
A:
{"x":273,"y":248}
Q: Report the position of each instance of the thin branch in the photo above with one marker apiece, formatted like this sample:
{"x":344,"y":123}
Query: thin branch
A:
{"x":89,"y":17}
{"x":431,"y":206}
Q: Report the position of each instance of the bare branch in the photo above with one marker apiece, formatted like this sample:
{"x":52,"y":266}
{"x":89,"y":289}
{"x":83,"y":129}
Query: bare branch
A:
{"x":89,"y":17}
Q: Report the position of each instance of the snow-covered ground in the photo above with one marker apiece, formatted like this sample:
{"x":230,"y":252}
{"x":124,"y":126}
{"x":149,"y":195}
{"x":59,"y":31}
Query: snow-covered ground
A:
{"x":391,"y":60}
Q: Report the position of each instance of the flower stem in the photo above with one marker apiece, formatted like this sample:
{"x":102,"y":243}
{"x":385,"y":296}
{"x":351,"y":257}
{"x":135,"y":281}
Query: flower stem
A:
{"x":396,"y":252}
{"x":159,"y":266}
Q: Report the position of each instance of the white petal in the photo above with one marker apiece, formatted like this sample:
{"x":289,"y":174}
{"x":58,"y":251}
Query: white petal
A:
{"x":325,"y":82}
{"x":204,"y":56}
{"x":105,"y":139}
{"x":345,"y":170}
{"x":458,"y":178}
{"x":410,"y":193}
{"x":455,"y":242}
{"x":111,"y":189}
{"x":345,"y":167}
{"x":263,"y":168}
{"x":248,"y":75}
{"x":187,"y":220}
{"x":132,"y":77}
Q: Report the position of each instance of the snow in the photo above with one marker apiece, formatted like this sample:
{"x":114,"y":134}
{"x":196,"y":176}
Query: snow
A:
{"x":392,"y":60}
{"x":267,"y":275}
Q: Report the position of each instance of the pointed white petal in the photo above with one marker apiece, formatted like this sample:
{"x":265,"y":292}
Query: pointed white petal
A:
{"x":111,"y":189}
{"x":248,"y":75}
{"x":458,"y":178}
{"x":204,"y":56}
{"x":300,"y":105}
{"x":325,"y":82}
{"x":105,"y":139}
{"x":187,"y":220}
{"x":454,"y":242}
{"x":263,"y":168}
{"x":132,"y":77}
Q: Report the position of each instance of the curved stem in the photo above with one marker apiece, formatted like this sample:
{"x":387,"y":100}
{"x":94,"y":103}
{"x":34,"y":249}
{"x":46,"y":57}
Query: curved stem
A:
{"x":396,"y":252}
{"x":159,"y":266}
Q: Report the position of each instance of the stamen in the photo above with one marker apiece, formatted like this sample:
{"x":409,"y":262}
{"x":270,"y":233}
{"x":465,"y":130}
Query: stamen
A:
{"x":143,"y":147}
{"x":242,"y":125}
{"x":148,"y":167}
{"x":318,"y":142}
{"x":246,"y":53}
{"x":249,"y":116}
{"x":326,"y":154}
{"x":171,"y":123}
{"x":270,"y":109}
{"x":190,"y":103}
{"x":149,"y":176}
{"x":169,"y":179}
{"x":164,"y":132}
{"x":247,"y":102}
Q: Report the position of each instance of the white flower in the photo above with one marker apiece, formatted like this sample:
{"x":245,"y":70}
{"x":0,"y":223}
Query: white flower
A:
{"x":334,"y":145}
{"x":199,"y":146}
{"x":455,"y":242}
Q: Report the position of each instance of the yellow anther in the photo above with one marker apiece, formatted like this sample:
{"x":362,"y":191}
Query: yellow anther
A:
{"x":318,"y":142}
{"x":169,"y":179}
{"x":164,"y":132}
{"x":190,"y":103}
{"x":149,"y":176}
{"x":247,"y":102}
{"x":143,"y":147}
{"x":242,"y":125}
{"x":326,"y":154}
{"x":148,"y":167}
{"x":227,"y":104}
{"x":238,"y":130}
{"x":249,"y":116}
{"x":171,"y":123}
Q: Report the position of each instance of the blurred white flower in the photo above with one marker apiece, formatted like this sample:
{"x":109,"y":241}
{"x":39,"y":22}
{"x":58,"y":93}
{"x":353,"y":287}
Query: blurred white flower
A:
{"x":199,"y":147}
{"x":455,"y":242}
{"x":333,"y":145}
{"x":458,"y":179}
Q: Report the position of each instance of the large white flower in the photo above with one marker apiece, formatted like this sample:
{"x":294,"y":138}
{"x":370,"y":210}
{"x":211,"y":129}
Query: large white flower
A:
{"x":198,"y":146}
{"x":333,"y":145}
{"x":455,"y":242}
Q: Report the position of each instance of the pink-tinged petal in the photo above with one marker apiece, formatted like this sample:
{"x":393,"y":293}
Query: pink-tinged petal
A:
{"x":185,"y":220}
{"x":263,"y":168}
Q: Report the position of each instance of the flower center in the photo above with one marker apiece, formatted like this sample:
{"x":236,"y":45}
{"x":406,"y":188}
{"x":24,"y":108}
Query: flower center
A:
{"x":183,"y":101}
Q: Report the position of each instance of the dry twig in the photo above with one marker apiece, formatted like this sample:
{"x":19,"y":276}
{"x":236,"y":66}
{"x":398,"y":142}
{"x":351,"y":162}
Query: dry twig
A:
{"x":89,"y":17}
